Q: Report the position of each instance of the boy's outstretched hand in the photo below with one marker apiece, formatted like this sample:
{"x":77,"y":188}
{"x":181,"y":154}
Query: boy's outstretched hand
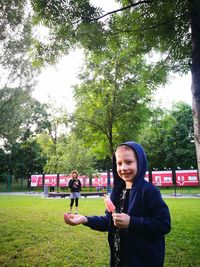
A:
{"x":73,"y":219}
{"x":121,"y":220}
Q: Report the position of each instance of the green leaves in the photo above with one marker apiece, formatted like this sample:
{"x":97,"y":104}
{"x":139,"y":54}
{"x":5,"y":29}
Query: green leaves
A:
{"x":113,"y":98}
{"x":169,"y":140}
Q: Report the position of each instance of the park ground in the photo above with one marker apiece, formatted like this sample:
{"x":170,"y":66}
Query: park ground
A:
{"x":33,"y":233}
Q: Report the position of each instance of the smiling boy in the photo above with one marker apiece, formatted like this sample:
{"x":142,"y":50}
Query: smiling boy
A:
{"x":136,"y":230}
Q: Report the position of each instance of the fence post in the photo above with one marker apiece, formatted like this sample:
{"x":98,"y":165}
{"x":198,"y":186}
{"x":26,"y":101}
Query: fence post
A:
{"x":198,"y":177}
{"x":90,"y":183}
{"x":174,"y":180}
{"x":150,"y":175}
{"x":43,"y":180}
{"x":9,"y":178}
{"x":29,"y":181}
{"x":108,"y":181}
{"x":58,"y":180}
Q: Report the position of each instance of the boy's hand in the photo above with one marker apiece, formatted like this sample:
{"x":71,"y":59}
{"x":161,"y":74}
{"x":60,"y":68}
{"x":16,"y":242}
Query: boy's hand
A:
{"x":73,"y":219}
{"x":121,"y":220}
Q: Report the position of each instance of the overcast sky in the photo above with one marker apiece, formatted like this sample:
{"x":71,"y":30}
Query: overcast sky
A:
{"x":56,"y":81}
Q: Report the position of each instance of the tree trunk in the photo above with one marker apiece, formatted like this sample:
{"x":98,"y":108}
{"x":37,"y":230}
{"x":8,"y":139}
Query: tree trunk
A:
{"x":195,"y":25}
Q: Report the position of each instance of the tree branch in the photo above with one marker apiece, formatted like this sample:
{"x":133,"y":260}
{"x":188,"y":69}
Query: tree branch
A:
{"x":155,"y":25}
{"x":117,"y":10}
{"x":95,"y":124}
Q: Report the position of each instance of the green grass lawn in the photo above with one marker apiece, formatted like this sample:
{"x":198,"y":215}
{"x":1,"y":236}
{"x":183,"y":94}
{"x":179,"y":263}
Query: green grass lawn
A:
{"x":33,"y":233}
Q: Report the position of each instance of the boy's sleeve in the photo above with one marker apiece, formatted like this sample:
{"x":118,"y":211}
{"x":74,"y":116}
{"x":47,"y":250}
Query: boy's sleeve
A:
{"x":99,"y":223}
{"x":157,"y":221}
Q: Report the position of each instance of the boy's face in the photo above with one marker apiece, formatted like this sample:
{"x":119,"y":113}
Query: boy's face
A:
{"x":126,"y":163}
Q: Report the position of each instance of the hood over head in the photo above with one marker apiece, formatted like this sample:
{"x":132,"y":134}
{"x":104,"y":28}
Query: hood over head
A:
{"x":141,"y":165}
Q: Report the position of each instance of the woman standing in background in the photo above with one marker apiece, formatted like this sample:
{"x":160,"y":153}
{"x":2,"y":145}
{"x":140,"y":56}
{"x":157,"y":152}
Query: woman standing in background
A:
{"x":75,"y":188}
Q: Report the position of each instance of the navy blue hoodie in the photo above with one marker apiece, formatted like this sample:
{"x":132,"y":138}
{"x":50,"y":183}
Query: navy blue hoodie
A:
{"x":142,"y":243}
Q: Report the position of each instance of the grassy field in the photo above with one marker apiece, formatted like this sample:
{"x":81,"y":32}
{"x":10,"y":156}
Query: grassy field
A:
{"x":33,"y":233}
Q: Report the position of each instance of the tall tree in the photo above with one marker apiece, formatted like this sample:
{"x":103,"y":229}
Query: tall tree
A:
{"x":113,"y":99}
{"x":169,"y":136}
{"x":21,"y":115}
{"x":12,"y":102}
{"x":172,"y":27}
{"x":15,"y":43}
{"x":75,"y":154}
{"x":57,"y":126}
{"x":21,"y":118}
{"x":71,"y":153}
{"x":27,"y":159}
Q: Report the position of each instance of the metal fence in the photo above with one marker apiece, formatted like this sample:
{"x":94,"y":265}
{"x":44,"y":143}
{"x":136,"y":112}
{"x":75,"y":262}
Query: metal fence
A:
{"x":8,"y":183}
